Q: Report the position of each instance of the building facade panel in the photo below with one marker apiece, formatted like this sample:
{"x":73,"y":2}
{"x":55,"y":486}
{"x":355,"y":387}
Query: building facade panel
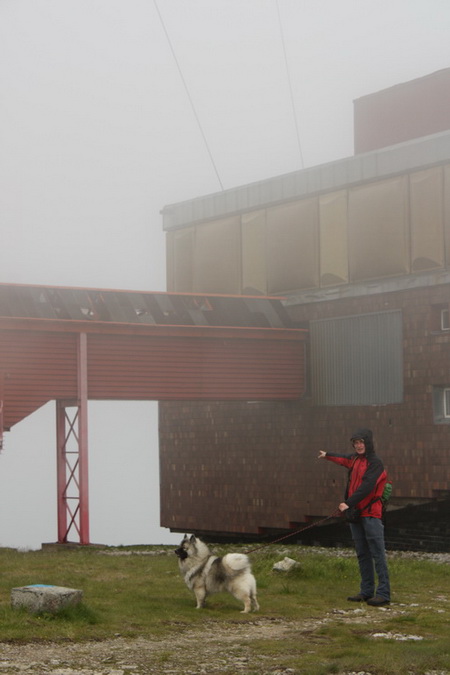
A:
{"x":217,"y":259}
{"x":372,"y":230}
{"x":254,"y":263}
{"x":447,"y":214}
{"x":427,"y":219}
{"x":333,"y":238}
{"x":378,"y":232}
{"x":253,"y":466}
{"x":292,"y":246}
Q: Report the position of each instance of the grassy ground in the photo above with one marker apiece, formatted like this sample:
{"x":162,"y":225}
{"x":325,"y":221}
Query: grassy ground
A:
{"x":142,"y":595}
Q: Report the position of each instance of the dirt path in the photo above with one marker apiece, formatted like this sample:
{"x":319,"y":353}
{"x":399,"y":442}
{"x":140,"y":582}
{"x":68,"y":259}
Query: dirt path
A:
{"x":211,"y":651}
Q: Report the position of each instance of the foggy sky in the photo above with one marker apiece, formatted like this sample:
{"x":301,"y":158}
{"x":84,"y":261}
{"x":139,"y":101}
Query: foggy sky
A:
{"x":97,"y":134}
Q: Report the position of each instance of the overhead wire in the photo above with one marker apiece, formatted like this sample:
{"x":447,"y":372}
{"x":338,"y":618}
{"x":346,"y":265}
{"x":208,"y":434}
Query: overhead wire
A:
{"x":205,"y":140}
{"x":294,"y":112}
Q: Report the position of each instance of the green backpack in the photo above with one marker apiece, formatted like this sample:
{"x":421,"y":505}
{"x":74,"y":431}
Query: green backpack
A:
{"x":385,"y":497}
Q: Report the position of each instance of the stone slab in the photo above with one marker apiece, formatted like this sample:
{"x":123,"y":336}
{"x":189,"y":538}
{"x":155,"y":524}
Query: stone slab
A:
{"x":44,"y":598}
{"x":285,"y":565}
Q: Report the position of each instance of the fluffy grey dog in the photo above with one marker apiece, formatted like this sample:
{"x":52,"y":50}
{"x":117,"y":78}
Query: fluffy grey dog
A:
{"x":205,"y":573}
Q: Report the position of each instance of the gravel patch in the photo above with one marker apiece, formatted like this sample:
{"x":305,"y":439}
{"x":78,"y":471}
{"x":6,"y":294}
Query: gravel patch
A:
{"x":226,"y":650}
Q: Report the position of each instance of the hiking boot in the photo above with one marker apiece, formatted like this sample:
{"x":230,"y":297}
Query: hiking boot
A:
{"x":377,"y":601}
{"x":358,"y":598}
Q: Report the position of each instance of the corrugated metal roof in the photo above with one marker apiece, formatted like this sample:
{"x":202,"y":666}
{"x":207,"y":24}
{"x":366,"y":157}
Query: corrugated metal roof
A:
{"x":142,"y":308}
{"x":414,"y":154}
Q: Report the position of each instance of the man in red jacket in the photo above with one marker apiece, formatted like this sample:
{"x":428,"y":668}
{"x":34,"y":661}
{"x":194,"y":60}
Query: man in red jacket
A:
{"x":366,"y":482}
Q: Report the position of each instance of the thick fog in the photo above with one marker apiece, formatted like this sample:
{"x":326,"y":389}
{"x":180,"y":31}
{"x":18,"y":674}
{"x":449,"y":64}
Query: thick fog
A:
{"x":111,"y":109}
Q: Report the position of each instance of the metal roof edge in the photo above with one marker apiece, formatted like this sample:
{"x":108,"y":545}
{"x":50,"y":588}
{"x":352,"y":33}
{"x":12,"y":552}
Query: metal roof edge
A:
{"x":374,"y":165}
{"x":155,"y":330}
{"x":101,"y":289}
{"x":372,"y":287}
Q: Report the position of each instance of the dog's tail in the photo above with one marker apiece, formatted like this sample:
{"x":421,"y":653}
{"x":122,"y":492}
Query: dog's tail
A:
{"x":236,"y":562}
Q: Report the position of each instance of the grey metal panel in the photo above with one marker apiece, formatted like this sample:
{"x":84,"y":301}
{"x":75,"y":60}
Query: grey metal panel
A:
{"x":354,"y":171}
{"x":401,"y":158}
{"x":327,"y":177}
{"x":404,"y":283}
{"x":369,"y":166}
{"x":341,"y":173}
{"x":357,"y":360}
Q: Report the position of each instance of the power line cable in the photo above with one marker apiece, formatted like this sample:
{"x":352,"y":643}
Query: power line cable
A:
{"x":189,"y":95}
{"x":290,"y":86}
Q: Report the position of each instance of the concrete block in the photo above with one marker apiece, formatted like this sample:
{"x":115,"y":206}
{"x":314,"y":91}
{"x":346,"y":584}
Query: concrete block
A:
{"x":43,"y":598}
{"x":285,"y":565}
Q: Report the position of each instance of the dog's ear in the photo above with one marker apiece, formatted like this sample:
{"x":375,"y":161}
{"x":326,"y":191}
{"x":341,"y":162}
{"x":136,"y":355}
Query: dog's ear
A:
{"x":193,"y":539}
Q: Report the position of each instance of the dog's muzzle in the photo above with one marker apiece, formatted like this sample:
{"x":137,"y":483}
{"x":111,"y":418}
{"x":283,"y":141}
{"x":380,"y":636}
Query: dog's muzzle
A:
{"x":181,"y":553}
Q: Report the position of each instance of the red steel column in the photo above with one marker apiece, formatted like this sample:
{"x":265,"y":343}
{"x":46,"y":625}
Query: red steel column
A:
{"x":72,"y":457}
{"x":61,"y":470}
{"x":83,"y":438}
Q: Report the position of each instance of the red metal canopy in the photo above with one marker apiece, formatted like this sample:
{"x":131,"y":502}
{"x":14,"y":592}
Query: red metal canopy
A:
{"x":76,"y":344}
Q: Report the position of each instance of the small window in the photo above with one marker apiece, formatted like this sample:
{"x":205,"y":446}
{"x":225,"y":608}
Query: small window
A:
{"x":441,"y":405}
{"x":440,"y":317}
{"x":447,"y":403}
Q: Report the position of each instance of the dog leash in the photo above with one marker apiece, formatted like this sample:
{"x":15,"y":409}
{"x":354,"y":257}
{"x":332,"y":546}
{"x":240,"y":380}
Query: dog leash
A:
{"x":292,"y":533}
